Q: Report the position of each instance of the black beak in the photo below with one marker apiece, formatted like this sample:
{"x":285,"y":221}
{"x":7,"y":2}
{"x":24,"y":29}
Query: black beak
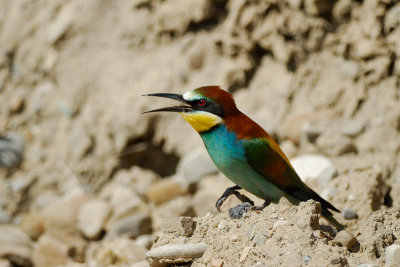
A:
{"x":174,"y":108}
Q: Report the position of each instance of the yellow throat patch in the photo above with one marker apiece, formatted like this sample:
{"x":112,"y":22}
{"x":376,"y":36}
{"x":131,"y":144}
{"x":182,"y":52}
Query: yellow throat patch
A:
{"x":201,"y":121}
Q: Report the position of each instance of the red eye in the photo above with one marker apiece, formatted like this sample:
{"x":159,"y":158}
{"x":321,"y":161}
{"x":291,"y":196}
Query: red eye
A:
{"x":202,"y":102}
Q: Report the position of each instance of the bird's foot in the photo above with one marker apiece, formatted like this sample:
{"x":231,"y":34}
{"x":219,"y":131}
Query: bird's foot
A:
{"x":238,"y":211}
{"x":232,"y":191}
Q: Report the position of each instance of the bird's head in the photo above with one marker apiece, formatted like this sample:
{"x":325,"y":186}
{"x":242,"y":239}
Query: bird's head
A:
{"x":204,"y":108}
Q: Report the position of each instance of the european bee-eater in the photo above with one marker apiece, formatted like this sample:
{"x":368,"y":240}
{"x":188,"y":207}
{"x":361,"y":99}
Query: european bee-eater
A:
{"x":243,"y":151}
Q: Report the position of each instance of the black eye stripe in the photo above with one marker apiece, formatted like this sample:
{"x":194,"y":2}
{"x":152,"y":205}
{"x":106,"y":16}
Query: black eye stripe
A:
{"x":208,"y":106}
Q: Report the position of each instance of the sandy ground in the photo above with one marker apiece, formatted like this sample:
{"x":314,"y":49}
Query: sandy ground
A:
{"x":98,"y":180}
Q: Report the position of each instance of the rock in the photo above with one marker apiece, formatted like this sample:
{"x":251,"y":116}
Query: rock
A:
{"x":306,"y":259}
{"x":133,"y":225}
{"x":392,"y":255}
{"x":327,"y":174}
{"x":346,"y":239}
{"x":176,"y":253}
{"x":145,"y":241}
{"x":81,"y":143}
{"x":204,"y":200}
{"x":164,"y":190}
{"x":195,"y":165}
{"x":392,"y":19}
{"x":15,"y":246}
{"x":140,"y":264}
{"x":92,"y":217}
{"x":58,"y":248}
{"x":367,"y":265}
{"x":182,"y":226}
{"x":179,"y":206}
{"x":63,"y":214}
{"x":351,"y":128}
{"x":11,"y":150}
{"x":293,"y":124}
{"x":349,"y":213}
{"x":318,"y":7}
{"x":60,"y":25}
{"x":260,"y":238}
{"x":310,"y":166}
{"x":245,"y":253}
{"x":137,"y":178}
{"x":279,"y":223}
{"x":342,"y":9}
{"x":289,"y":148}
{"x":329,"y":192}
{"x":121,"y":251}
{"x":217,"y":263}
{"x":5,"y":217}
{"x":33,"y":225}
{"x":17,"y":105}
{"x":335,"y":145}
{"x":123,"y":199}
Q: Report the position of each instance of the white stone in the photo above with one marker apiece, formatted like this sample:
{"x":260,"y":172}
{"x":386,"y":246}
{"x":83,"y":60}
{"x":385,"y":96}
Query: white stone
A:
{"x":310,"y":166}
{"x":392,"y":255}
{"x":195,"y":165}
{"x":92,"y":217}
{"x":177,"y":253}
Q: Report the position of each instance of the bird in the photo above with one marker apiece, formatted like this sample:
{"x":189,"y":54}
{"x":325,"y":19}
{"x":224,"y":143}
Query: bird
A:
{"x":243,"y":151}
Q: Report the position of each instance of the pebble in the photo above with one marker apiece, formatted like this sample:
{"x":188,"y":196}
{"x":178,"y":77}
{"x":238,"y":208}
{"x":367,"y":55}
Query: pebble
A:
{"x":346,"y":239}
{"x":176,"y":253}
{"x":92,"y":217}
{"x":15,"y":245}
{"x":123,"y":199}
{"x":217,"y":263}
{"x":351,"y":128}
{"x":392,"y":255}
{"x":204,"y":201}
{"x":310,"y":166}
{"x":5,"y":217}
{"x":63,"y":214}
{"x":306,"y":259}
{"x":182,"y":226}
{"x":11,"y":150}
{"x":179,"y":206}
{"x":367,"y":265}
{"x":81,"y":142}
{"x":116,"y":252}
{"x":244,"y":254}
{"x":17,"y":105}
{"x":349,"y":213}
{"x":279,"y":223}
{"x":60,"y":25}
{"x":140,"y":264}
{"x":274,"y":216}
{"x":329,"y":192}
{"x":259,"y":239}
{"x":145,"y":241}
{"x":164,"y":190}
{"x":134,"y":225}
{"x":33,"y":225}
{"x":327,"y":174}
{"x":195,"y":165}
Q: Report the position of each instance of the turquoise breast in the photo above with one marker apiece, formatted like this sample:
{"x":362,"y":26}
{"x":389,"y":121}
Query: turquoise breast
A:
{"x":228,"y":154}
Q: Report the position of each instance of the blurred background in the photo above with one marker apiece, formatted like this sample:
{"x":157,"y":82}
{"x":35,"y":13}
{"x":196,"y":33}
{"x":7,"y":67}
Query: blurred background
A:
{"x":80,"y":165}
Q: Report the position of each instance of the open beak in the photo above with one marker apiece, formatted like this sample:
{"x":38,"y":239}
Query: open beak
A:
{"x":174,"y":108}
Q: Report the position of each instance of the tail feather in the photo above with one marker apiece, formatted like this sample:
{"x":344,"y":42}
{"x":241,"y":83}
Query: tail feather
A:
{"x":329,"y":216}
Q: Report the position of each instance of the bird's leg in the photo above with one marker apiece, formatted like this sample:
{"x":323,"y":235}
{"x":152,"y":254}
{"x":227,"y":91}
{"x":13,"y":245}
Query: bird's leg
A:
{"x":265,"y":204}
{"x":229,"y":191}
{"x":238,"y":211}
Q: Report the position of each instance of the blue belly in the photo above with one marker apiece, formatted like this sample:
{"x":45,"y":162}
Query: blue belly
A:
{"x":228,"y":154}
